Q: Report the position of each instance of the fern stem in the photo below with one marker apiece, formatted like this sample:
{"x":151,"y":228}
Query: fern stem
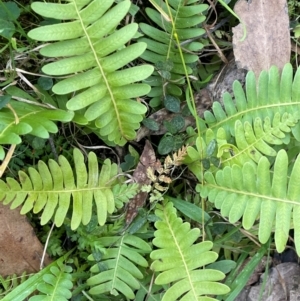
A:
{"x":87,"y":296}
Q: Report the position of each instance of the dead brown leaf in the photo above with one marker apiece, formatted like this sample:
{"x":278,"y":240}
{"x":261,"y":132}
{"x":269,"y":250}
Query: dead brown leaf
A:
{"x":147,"y":159}
{"x":267,"y":41}
{"x":20,"y":249}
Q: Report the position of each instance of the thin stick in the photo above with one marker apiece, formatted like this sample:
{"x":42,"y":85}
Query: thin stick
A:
{"x":45,"y":247}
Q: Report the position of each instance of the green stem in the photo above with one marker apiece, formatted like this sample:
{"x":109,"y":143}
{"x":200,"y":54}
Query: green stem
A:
{"x":235,"y":15}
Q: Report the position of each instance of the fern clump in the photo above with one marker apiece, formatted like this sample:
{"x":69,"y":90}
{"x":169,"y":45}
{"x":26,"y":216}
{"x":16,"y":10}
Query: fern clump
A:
{"x":245,"y":156}
{"x":255,"y":138}
{"x":180,"y":261}
{"x":92,"y":54}
{"x":255,"y":123}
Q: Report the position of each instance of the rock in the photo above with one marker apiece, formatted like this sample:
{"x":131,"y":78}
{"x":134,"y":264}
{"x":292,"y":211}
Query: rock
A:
{"x":282,"y":284}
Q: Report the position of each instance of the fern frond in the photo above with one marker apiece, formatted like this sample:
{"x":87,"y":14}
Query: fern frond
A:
{"x":56,"y":285}
{"x":92,"y":52}
{"x":31,"y":119}
{"x":161,"y":45}
{"x":53,"y":280}
{"x":123,"y":193}
{"x":252,"y":191}
{"x":253,"y":124}
{"x":178,"y":259}
{"x":50,"y":188}
{"x":252,"y":142}
{"x":117,"y":270}
{"x":258,"y":138}
{"x":271,"y":95}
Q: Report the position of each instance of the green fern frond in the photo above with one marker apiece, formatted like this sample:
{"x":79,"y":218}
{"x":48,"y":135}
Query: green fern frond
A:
{"x":117,"y":270}
{"x":271,"y":95}
{"x":161,"y":45}
{"x":92,"y":52}
{"x":50,"y":188}
{"x":123,"y":193}
{"x":178,"y":259}
{"x":56,"y":285}
{"x":54,"y":281}
{"x":252,"y":142}
{"x":31,"y":119}
{"x":256,"y":139}
{"x":251,"y":192}
{"x":252,"y":125}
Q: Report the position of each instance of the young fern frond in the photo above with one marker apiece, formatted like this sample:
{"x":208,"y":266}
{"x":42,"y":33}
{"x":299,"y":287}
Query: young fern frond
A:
{"x":256,"y":139}
{"x":161,"y":45}
{"x":117,"y":269}
{"x":91,"y":53}
{"x":123,"y":193}
{"x":179,"y":260}
{"x":254,"y":191}
{"x":50,"y":188}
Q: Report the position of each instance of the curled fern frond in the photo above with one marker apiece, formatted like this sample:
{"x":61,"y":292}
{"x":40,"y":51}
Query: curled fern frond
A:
{"x":252,"y":191}
{"x":161,"y":44}
{"x":50,"y":189}
{"x":91,"y":53}
{"x":117,"y":269}
{"x":179,"y":260}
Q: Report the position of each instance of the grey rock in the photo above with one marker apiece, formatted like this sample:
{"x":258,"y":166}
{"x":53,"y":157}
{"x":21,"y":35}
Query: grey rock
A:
{"x":282,"y":284}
